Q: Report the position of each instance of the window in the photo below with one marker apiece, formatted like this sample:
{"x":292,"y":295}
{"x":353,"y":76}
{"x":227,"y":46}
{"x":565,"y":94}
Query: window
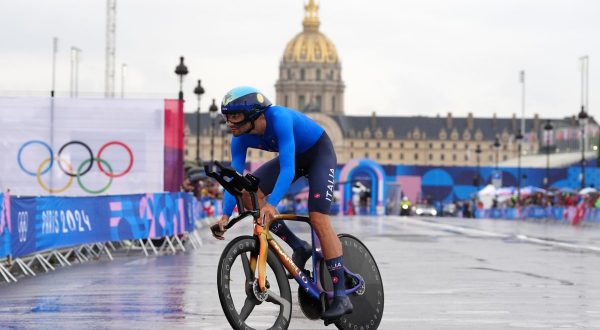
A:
{"x":378,"y":145}
{"x":416,"y":145}
{"x":490,"y":158}
{"x":416,"y":156}
{"x":430,"y":157}
{"x":366,"y":155}
{"x":351,"y":155}
{"x":454,"y":157}
{"x":466,"y":146}
{"x":318,"y":74}
{"x":390,"y":145}
{"x":260,"y":154}
{"x":454,"y":146}
{"x":378,"y":155}
{"x":504,"y":157}
{"x":442,"y":146}
{"x":466,"y":157}
{"x":352,"y":143}
{"x":366,"y":144}
{"x":249,"y":153}
{"x":431,"y":146}
{"x":186,"y":152}
{"x":390,"y":155}
{"x":289,"y":74}
{"x":285,"y":101}
{"x":318,"y":100}
{"x":442,"y":157}
{"x":301,"y":102}
{"x":401,"y":144}
{"x":302,"y":74}
{"x":401,"y":156}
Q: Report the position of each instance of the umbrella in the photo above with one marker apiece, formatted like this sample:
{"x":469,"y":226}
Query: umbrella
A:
{"x":532,"y":190}
{"x":506,"y":191}
{"x":587,"y":191}
{"x":567,"y":190}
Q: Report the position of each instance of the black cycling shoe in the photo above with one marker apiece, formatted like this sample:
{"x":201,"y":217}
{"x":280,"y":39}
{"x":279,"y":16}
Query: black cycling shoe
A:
{"x":339,"y":307}
{"x":300,"y":257}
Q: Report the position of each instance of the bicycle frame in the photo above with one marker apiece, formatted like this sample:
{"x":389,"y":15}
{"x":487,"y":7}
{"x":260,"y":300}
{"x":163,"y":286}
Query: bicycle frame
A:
{"x":314,"y":287}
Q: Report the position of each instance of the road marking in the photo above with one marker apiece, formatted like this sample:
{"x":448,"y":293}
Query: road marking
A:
{"x":479,"y":232}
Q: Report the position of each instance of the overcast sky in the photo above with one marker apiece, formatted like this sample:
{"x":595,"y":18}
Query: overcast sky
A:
{"x":398,"y":57}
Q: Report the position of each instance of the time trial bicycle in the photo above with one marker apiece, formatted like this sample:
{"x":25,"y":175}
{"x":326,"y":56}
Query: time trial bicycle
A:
{"x":253,"y":287}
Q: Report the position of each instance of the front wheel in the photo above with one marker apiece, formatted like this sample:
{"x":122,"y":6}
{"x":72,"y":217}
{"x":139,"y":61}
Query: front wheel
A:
{"x":367,"y":302}
{"x":243,"y":304}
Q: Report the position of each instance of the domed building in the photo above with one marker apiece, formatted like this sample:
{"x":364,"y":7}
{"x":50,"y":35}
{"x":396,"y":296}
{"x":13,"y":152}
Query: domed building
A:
{"x":310,"y":72}
{"x":310,"y":80}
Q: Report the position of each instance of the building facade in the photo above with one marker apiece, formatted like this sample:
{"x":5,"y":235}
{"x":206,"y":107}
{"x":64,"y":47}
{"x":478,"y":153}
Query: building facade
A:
{"x":310,"y":80}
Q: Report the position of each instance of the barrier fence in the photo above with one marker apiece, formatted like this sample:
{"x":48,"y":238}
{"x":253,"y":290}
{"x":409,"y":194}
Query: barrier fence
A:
{"x":571,"y":214}
{"x":37,"y":228}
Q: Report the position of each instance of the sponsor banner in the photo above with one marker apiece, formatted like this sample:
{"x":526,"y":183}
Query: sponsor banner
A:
{"x":5,"y":225}
{"x":81,"y":147}
{"x":43,"y":223}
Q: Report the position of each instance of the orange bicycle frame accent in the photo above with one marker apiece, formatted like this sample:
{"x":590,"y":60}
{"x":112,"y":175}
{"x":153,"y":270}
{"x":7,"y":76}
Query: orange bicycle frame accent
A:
{"x":265,"y":240}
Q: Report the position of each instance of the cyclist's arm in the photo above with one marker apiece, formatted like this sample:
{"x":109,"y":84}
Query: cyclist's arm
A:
{"x":284,"y":132}
{"x":238,"y":161}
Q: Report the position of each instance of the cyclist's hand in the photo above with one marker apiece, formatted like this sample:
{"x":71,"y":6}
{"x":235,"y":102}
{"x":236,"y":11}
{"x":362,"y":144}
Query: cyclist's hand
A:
{"x":218,"y":229}
{"x":267,"y":213}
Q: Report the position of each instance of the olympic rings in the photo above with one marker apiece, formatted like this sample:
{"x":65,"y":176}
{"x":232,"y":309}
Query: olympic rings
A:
{"x":86,"y":148}
{"x":130,"y":159}
{"x":51,"y":159}
{"x":105,"y":188}
{"x":83,"y":168}
{"x":43,"y":185}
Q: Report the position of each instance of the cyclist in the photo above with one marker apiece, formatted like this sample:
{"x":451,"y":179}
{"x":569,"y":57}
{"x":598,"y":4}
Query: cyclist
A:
{"x":304,"y":150}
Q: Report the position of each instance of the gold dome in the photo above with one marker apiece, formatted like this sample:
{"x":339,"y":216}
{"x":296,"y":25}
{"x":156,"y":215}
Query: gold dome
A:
{"x":310,"y":46}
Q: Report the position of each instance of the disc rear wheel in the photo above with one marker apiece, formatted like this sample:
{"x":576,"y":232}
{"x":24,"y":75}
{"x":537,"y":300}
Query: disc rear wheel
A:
{"x":368,"y":300}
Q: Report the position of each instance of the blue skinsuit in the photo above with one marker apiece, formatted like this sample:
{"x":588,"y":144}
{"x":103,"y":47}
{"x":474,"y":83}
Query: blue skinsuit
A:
{"x":288,"y":132}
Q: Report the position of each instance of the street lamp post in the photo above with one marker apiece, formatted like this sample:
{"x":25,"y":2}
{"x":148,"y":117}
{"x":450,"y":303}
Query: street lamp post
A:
{"x":181,"y":70}
{"x":582,"y":118}
{"x":223,"y":128}
{"x":497,"y":147}
{"x":519,"y":138}
{"x":213,"y":110}
{"x":478,"y":177}
{"x":199,"y":90}
{"x":548,"y":128}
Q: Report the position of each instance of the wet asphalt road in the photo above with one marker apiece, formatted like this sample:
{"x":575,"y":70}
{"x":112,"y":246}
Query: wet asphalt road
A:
{"x":439,"y":273}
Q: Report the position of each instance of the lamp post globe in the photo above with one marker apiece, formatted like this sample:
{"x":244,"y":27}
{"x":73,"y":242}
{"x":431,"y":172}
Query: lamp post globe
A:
{"x":199,"y":90}
{"x":181,"y":70}
{"x":213,"y":110}
{"x":548,"y":129}
{"x":582,"y":119}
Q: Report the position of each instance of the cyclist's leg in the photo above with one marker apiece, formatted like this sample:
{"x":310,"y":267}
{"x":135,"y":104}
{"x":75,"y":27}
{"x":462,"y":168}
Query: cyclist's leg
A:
{"x":267,"y":175}
{"x":321,"y":181}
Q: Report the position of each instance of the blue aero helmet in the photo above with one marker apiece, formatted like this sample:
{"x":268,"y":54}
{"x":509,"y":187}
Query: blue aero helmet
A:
{"x":247,"y":100}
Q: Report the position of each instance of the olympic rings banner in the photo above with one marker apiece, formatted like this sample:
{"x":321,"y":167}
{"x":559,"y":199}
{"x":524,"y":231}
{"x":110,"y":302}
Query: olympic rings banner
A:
{"x":43,"y":223}
{"x":83,"y":147}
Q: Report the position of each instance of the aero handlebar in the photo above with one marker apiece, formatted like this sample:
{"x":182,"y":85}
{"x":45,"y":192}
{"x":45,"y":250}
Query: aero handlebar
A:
{"x":235,"y":184}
